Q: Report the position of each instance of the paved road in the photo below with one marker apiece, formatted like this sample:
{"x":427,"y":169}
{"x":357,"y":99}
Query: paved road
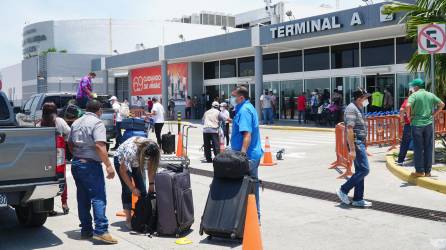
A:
{"x":289,"y":221}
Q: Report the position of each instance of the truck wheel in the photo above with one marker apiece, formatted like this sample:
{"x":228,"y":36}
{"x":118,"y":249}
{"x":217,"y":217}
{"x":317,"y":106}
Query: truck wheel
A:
{"x":28,"y":218}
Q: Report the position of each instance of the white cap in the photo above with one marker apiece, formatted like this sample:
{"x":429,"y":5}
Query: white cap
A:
{"x":113,"y":98}
{"x":215,"y":104}
{"x":223,"y":104}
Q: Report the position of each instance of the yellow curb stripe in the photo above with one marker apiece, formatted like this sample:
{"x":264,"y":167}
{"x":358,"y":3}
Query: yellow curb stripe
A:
{"x":298,"y":128}
{"x":403,"y":174}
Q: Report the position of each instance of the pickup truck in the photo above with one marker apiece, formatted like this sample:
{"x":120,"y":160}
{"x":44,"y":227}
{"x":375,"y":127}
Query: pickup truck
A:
{"x":32,"y":167}
{"x":32,"y":109}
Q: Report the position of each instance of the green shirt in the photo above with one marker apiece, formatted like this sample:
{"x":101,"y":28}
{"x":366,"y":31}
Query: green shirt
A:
{"x":422,"y":104}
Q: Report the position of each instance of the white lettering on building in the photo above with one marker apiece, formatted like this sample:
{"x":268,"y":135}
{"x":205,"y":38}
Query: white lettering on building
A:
{"x":356,"y":19}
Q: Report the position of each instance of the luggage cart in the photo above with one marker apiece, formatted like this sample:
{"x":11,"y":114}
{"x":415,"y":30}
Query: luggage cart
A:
{"x":179,"y":160}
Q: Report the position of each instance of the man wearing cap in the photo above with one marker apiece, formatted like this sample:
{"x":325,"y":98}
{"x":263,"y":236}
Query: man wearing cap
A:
{"x":356,"y":134}
{"x":421,"y":108}
{"x":84,"y":90}
{"x":116,"y":106}
{"x":211,"y":122}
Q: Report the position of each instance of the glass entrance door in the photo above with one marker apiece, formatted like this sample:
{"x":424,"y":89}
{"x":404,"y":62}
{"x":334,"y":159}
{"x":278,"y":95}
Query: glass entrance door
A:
{"x":382,"y":88}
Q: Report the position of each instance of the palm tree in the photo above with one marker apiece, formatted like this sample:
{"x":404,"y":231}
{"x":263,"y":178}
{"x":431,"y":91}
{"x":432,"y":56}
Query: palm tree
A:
{"x":423,"y":12}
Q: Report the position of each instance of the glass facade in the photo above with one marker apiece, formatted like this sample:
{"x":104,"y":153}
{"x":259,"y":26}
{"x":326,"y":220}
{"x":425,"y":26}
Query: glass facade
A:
{"x":316,"y":59}
{"x":378,"y":52}
{"x":345,"y":56}
{"x":246,"y":66}
{"x":228,"y":68}
{"x":290,"y":61}
{"x":211,"y":70}
{"x":270,"y":64}
{"x":405,"y":48}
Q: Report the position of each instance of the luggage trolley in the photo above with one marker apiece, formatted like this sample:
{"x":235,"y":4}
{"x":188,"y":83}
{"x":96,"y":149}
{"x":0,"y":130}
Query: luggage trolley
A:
{"x":184,"y":159}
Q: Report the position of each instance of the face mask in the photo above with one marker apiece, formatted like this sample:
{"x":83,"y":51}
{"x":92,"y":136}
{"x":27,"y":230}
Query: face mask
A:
{"x":365,"y":102}
{"x":412,"y":89}
{"x":233,"y":101}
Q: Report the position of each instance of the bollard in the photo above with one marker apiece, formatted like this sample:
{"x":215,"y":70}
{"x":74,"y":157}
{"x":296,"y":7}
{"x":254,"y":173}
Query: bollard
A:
{"x":179,"y":121}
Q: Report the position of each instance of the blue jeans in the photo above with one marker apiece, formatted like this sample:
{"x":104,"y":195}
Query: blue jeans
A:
{"x":423,"y":146}
{"x":405,"y":143}
{"x":267,"y":116}
{"x":126,"y":194}
{"x":90,"y":185}
{"x":254,"y":172}
{"x":82,"y":102}
{"x":362,"y":169}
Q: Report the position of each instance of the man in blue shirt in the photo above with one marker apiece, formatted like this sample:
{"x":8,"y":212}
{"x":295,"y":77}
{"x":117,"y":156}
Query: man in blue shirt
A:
{"x":245,"y":133}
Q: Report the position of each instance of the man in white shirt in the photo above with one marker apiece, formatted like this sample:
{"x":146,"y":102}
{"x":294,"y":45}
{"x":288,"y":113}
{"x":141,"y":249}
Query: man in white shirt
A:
{"x":267,"y":107}
{"x":116,"y":106}
{"x":158,"y":117}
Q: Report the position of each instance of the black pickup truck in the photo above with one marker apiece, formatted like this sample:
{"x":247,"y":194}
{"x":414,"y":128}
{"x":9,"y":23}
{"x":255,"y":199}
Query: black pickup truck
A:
{"x":32,"y":167}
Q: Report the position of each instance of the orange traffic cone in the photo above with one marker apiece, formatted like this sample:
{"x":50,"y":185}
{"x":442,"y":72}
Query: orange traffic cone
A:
{"x":180,"y":145}
{"x":252,"y":239}
{"x":267,"y":157}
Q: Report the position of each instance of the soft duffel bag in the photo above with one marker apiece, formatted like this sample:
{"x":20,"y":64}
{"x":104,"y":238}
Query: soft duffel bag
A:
{"x":231,"y":164}
{"x":134,"y":124}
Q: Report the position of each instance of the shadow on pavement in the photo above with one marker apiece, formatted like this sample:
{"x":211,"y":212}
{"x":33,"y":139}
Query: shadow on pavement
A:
{"x":216,"y":241}
{"x":121,"y":225}
{"x":14,"y":236}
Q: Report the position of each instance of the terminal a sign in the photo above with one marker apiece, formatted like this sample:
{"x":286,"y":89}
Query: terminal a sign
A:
{"x":312,"y":26}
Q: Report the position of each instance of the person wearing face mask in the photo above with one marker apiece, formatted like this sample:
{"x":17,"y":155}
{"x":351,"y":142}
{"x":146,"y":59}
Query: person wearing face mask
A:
{"x":245,"y":135}
{"x":225,"y":117}
{"x":420,"y":106}
{"x":356,"y":134}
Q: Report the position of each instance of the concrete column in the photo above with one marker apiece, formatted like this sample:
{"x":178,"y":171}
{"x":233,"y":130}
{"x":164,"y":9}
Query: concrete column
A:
{"x":258,"y":69}
{"x":164,"y":84}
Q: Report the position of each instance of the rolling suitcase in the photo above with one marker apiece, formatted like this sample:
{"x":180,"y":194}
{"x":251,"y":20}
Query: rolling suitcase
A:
{"x":225,"y":210}
{"x":168,"y":143}
{"x":174,"y":200}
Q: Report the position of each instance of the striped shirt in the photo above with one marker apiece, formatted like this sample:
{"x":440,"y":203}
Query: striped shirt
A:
{"x":354,"y":117}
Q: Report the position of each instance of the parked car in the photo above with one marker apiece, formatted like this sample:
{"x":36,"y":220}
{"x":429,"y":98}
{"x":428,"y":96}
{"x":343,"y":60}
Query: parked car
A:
{"x":32,"y":109}
{"x":32,"y":167}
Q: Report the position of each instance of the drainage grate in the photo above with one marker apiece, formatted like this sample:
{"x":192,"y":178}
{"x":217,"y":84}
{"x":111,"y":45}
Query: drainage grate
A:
{"x":386,"y":207}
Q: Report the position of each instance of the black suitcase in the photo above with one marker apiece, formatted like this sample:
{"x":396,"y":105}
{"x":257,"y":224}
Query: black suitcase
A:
{"x":230,"y":164}
{"x":168,"y":143}
{"x":144,"y":215}
{"x":225,"y":210}
{"x":174,"y":201}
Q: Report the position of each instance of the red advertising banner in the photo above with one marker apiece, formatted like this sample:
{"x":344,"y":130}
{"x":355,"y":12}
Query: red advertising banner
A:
{"x":146,"y":81}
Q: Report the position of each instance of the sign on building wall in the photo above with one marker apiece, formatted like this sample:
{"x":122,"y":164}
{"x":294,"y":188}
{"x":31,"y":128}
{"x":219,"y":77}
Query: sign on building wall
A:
{"x":147,"y":82}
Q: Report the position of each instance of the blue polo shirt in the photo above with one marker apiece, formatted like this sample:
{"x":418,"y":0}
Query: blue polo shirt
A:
{"x":246,"y":120}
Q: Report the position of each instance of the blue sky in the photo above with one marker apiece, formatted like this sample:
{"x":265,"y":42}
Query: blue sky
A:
{"x":15,"y":13}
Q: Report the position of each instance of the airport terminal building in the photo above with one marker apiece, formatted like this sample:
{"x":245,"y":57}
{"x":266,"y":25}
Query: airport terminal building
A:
{"x":340,"y":50}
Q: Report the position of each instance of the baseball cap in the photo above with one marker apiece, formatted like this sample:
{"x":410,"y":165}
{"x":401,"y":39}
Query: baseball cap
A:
{"x":416,"y":83}
{"x":113,"y":98}
{"x":358,"y":93}
{"x":215,"y":104}
{"x":223,"y":104}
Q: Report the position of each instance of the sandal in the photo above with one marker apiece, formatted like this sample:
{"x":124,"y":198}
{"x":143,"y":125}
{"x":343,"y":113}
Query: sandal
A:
{"x":65,"y":209}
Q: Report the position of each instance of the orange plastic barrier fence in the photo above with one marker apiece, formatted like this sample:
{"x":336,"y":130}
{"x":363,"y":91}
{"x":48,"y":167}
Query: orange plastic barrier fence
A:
{"x":342,"y":157}
{"x":384,"y":130}
{"x":440,"y":123}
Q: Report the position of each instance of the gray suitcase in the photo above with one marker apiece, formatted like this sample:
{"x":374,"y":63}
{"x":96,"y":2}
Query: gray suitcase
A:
{"x":174,"y":200}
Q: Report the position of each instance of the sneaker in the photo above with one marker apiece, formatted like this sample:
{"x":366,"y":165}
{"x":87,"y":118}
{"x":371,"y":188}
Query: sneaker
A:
{"x":398,"y":163}
{"x":86,"y":236}
{"x":428,"y":174}
{"x":343,"y":197}
{"x":416,"y":174}
{"x":361,"y":203}
{"x":106,"y":238}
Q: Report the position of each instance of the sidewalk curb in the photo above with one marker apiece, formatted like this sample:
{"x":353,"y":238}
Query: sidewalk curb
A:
{"x":298,"y":128}
{"x":403,"y":174}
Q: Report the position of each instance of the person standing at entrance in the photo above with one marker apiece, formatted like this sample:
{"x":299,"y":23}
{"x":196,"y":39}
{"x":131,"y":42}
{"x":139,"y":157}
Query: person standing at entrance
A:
{"x":420,"y":107}
{"x":301,"y":107}
{"x":246,"y":133}
{"x":188,"y":108}
{"x":84,"y":90}
{"x":149,"y":104}
{"x":87,"y":143}
{"x":388,"y":100}
{"x":266,"y":103}
{"x":158,"y":118}
{"x":407,"y":137}
{"x":211,"y":122}
{"x":356,"y":134}
{"x":225,"y":116}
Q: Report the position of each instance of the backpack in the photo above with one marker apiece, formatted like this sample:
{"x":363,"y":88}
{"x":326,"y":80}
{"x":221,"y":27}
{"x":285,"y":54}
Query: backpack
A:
{"x":124,"y":110}
{"x":144,"y":216}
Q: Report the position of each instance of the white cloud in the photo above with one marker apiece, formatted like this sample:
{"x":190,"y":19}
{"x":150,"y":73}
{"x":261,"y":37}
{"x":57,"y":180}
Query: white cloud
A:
{"x":16,"y":13}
